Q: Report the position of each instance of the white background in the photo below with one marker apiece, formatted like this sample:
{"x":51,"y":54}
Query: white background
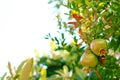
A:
{"x":23,"y":25}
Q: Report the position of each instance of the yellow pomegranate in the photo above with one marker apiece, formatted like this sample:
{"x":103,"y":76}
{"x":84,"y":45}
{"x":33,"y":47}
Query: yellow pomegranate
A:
{"x":88,"y":59}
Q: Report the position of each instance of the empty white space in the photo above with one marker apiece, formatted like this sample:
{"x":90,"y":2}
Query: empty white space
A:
{"x":23,"y":25}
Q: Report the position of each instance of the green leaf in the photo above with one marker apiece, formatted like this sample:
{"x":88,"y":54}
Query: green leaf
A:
{"x":12,"y":73}
{"x":81,"y":73}
{"x":20,"y":66}
{"x":56,"y":40}
{"x":62,"y":34}
{"x":25,"y":72}
{"x":3,"y":77}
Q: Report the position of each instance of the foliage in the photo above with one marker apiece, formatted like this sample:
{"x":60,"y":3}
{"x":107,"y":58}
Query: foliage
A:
{"x":21,"y":73}
{"x":87,"y":20}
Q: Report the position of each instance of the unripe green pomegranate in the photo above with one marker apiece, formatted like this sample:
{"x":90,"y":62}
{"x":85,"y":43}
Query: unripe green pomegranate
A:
{"x":88,"y":59}
{"x":99,"y":46}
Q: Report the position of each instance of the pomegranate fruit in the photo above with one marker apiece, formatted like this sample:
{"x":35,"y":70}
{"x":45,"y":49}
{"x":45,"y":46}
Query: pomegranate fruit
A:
{"x":99,"y":47}
{"x":88,"y":59}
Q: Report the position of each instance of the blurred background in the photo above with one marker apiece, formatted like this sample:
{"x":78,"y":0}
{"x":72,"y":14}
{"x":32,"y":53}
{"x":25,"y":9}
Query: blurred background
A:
{"x":23,"y":26}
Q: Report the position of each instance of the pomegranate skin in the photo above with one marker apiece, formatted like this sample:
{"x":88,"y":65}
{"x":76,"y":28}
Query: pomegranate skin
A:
{"x":88,"y":59}
{"x":99,"y":47}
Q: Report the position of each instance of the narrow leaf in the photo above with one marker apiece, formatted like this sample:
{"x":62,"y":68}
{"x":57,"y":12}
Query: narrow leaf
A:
{"x":12,"y":73}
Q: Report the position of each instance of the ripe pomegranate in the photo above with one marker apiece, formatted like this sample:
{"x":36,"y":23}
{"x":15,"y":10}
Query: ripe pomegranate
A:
{"x":99,"y":46}
{"x":88,"y":59}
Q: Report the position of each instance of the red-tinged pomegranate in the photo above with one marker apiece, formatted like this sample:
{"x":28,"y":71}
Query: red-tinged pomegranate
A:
{"x":99,"y":47}
{"x":88,"y":59}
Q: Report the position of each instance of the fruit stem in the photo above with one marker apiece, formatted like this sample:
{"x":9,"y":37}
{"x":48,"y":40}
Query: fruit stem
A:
{"x":98,"y":74}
